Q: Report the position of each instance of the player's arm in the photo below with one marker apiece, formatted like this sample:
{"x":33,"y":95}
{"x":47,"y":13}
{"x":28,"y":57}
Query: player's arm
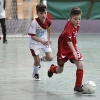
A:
{"x":73,"y":49}
{"x":36,"y":39}
{"x":48,"y":35}
{"x":39,"y":40}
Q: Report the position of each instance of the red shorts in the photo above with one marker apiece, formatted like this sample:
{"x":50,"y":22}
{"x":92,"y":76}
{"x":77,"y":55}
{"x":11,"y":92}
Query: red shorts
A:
{"x":62,"y":60}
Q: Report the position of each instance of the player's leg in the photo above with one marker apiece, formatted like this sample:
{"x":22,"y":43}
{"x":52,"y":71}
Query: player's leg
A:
{"x":36,"y":65}
{"x":54,"y":69}
{"x":0,"y":23}
{"x":0,"y":37}
{"x":57,"y":69}
{"x":48,"y":54}
{"x":3,"y":25}
{"x":79,"y":76}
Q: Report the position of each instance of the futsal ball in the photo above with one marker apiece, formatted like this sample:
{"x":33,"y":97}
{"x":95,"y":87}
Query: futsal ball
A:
{"x":89,"y":87}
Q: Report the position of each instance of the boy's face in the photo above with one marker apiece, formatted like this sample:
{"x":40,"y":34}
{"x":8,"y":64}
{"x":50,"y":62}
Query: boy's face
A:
{"x":75,"y":20}
{"x":42,"y":15}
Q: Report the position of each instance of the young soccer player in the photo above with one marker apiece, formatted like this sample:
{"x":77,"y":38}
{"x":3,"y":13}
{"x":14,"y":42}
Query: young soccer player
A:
{"x":2,"y":19}
{"x":67,"y":49}
{"x":39,"y":38}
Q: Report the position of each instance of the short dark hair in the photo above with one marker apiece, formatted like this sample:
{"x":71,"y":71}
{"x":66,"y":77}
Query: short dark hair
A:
{"x":41,"y":7}
{"x":75,"y":11}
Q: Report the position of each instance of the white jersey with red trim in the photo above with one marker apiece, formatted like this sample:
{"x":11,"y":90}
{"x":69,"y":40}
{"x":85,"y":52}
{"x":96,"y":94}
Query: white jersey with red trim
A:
{"x":38,"y":31}
{"x":2,"y":10}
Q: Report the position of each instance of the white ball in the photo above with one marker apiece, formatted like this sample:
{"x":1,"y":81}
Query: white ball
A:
{"x":89,"y":87}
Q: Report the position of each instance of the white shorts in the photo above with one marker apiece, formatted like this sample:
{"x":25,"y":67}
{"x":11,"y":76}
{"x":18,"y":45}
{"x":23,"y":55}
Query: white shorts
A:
{"x":35,"y":50}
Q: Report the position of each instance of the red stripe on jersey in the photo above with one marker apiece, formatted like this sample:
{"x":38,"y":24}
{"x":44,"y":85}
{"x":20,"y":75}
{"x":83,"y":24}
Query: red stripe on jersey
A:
{"x":44,"y":25}
{"x":31,"y":34}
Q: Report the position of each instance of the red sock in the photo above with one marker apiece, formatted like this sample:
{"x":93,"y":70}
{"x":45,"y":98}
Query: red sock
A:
{"x":53,"y":69}
{"x":79,"y":77}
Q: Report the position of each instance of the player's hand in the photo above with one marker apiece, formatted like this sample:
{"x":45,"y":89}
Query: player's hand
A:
{"x":75,"y":55}
{"x":50,"y":42}
{"x":46,"y":43}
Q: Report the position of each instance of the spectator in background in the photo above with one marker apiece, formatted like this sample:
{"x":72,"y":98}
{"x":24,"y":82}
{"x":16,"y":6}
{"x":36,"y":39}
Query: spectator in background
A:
{"x":2,"y":19}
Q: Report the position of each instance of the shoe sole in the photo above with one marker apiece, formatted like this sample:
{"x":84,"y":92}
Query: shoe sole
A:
{"x":79,"y":92}
{"x":37,"y":79}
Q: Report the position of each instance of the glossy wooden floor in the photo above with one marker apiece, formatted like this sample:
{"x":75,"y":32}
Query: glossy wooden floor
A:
{"x":16,"y":82}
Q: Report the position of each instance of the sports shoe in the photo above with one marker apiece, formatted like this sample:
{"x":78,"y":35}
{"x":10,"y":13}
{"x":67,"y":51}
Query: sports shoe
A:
{"x":50,"y":74}
{"x":5,"y":41}
{"x":78,"y":89}
{"x":36,"y":77}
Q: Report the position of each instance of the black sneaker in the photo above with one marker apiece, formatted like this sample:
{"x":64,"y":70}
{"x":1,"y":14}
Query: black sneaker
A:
{"x":5,"y":41}
{"x":50,"y":74}
{"x":36,"y":77}
{"x":78,"y":89}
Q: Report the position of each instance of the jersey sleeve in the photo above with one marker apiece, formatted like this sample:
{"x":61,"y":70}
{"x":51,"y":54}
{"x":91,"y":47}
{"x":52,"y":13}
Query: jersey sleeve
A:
{"x":32,"y":28}
{"x":68,"y":35}
{"x":49,"y":23}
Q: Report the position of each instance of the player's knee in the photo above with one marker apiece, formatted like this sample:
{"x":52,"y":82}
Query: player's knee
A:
{"x":60,"y":62}
{"x":50,"y":58}
{"x":80,"y":65}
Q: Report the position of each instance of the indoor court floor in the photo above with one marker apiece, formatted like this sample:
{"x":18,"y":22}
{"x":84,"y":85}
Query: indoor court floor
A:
{"x":16,"y":82}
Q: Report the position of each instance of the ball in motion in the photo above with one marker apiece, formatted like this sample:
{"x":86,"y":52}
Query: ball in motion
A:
{"x":89,"y":87}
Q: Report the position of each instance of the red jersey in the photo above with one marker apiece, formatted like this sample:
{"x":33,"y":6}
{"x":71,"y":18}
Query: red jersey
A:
{"x":69,"y":34}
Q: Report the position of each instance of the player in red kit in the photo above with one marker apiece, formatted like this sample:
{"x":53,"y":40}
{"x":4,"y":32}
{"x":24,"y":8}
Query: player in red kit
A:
{"x":67,"y":49}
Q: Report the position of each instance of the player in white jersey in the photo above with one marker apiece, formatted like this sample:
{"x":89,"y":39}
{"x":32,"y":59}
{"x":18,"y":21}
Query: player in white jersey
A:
{"x":2,"y":19}
{"x":39,"y":38}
